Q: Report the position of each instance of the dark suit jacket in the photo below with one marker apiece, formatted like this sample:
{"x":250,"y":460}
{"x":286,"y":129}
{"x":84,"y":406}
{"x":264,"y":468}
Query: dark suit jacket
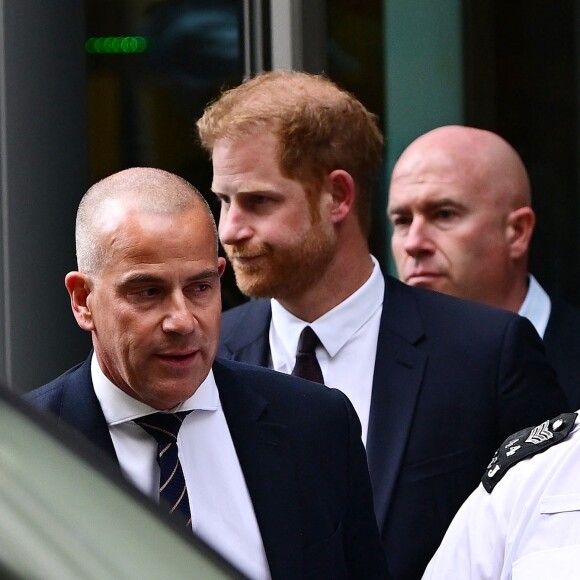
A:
{"x":302,"y":457}
{"x":452,"y":380}
{"x":562,"y":342}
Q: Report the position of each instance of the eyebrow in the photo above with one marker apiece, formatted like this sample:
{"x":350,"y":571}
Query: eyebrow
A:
{"x":152,"y":279}
{"x":246,"y":189}
{"x":429,"y":205}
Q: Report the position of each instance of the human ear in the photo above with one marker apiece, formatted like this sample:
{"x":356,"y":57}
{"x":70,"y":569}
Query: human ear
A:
{"x":78,"y":288}
{"x":341,"y":186}
{"x":221,"y":266}
{"x":520,"y":227}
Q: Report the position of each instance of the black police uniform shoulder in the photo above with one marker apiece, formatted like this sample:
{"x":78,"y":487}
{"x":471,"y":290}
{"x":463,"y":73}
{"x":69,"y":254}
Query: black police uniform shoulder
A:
{"x":526,"y":443}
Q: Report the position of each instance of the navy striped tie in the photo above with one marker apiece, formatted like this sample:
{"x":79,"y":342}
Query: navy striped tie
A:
{"x":164,"y":427}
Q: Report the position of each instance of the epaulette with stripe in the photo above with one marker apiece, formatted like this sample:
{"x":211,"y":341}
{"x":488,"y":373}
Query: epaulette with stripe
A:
{"x":526,"y":443}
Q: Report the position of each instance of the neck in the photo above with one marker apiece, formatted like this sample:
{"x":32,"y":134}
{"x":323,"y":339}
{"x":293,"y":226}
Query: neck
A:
{"x":511,"y":291}
{"x":350,"y":268}
{"x":516,"y":298}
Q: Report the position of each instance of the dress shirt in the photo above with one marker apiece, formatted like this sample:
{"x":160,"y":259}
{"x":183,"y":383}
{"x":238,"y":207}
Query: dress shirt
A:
{"x":537,"y":306}
{"x":221,"y":508}
{"x":348,"y":334}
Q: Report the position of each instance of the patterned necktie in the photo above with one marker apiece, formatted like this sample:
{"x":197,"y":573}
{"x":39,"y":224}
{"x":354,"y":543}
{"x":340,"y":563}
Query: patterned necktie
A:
{"x":164,"y":427}
{"x":307,"y":365}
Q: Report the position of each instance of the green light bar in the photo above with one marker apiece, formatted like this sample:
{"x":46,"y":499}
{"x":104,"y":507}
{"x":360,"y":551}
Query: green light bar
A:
{"x":116,"y":44}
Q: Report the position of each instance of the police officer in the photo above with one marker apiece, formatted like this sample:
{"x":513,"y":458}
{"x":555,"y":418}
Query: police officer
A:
{"x":523,"y":521}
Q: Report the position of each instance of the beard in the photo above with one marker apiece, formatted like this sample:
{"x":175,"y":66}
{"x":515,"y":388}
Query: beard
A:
{"x":283,"y":271}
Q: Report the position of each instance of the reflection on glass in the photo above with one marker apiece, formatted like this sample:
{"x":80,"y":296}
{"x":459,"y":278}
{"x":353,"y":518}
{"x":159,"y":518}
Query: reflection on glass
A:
{"x":152,"y":68}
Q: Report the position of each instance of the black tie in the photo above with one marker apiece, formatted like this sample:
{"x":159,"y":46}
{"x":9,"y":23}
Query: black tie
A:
{"x":164,"y":427}
{"x":307,"y":365}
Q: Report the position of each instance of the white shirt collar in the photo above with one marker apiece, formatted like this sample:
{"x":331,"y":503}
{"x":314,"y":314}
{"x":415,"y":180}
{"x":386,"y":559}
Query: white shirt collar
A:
{"x":536,"y":306}
{"x":337,"y":326}
{"x":119,"y":407}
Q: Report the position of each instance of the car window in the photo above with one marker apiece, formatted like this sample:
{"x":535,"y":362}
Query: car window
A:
{"x":64,"y":512}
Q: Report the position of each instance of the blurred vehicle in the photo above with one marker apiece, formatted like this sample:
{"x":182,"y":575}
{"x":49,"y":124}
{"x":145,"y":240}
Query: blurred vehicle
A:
{"x":66,"y":512}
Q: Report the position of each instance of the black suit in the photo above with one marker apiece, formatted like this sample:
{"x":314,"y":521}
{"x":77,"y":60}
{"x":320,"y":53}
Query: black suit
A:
{"x":301,"y":455}
{"x":562,"y":341}
{"x":452,"y":380}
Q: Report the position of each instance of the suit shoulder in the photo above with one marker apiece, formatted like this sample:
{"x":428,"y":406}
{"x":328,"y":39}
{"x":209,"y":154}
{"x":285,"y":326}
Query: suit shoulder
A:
{"x":561,"y":308}
{"x":442,"y":312}
{"x":563,"y":322}
{"x":245,"y":317}
{"x":432,"y":298}
{"x":274,"y":385}
{"x":266,"y":375}
{"x":309,"y":408}
{"x":250,"y":308}
{"x":49,"y":393}
{"x":525,"y":444}
{"x":562,"y":343}
{"x":467,"y":306}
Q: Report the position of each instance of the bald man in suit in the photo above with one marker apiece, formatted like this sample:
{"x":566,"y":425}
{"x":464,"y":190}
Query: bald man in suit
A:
{"x":460,"y":205}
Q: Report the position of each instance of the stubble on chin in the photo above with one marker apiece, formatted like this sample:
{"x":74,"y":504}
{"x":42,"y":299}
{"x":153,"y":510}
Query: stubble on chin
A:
{"x":287,"y":271}
{"x":258,"y":283}
{"x":285,"y":276}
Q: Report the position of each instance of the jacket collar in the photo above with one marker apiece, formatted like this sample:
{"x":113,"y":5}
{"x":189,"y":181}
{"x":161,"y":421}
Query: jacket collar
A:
{"x":81,"y":409}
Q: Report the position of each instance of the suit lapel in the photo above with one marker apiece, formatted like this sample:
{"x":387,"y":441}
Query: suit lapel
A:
{"x":246,"y":339}
{"x":268,"y":469}
{"x":80,"y":408}
{"x":397,"y":380}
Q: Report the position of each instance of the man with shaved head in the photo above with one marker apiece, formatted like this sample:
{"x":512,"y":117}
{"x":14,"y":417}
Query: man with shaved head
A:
{"x":269,"y":469}
{"x":460,"y":206}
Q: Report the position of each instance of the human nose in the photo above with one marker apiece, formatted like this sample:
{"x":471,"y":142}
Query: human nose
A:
{"x":418,"y":242}
{"x":234,"y":225}
{"x":179,"y":318}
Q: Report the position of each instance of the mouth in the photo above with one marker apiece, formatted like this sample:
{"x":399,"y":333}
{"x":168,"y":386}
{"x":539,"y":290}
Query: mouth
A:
{"x":422,"y":278}
{"x":245,"y":260}
{"x":244,"y":254}
{"x":179,"y":359}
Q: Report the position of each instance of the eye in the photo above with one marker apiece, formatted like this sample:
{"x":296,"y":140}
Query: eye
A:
{"x":399,"y":220}
{"x":255,"y":201}
{"x":147,"y":292}
{"x":198,"y":288}
{"x":446,"y":213}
